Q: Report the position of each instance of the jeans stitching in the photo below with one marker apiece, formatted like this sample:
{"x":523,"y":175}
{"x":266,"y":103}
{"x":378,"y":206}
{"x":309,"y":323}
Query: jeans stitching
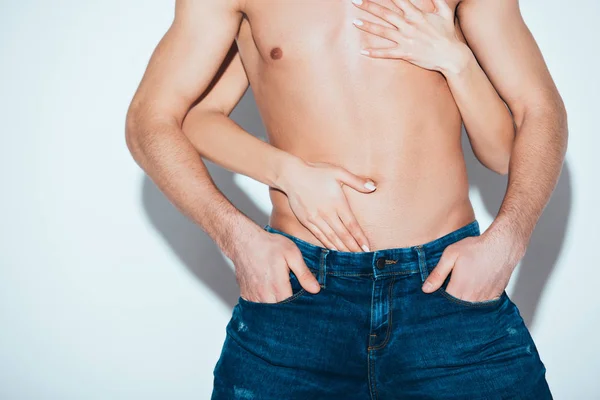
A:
{"x":412,"y":271}
{"x":323,"y":267}
{"x":422,"y":263}
{"x":389,"y":329}
{"x":292,"y":297}
{"x":472,"y":304}
{"x":373,"y":386}
{"x":375,"y":383}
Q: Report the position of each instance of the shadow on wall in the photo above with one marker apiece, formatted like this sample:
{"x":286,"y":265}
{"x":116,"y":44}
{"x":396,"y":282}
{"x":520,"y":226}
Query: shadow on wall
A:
{"x":201,"y":256}
{"x":547,"y":239}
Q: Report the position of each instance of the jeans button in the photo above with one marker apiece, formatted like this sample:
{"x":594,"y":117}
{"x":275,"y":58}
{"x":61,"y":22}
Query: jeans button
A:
{"x":380,"y":263}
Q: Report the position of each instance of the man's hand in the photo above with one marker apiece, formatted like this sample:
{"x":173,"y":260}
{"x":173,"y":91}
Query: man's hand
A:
{"x":262,"y":264}
{"x":481,"y":267}
{"x":316,"y":197}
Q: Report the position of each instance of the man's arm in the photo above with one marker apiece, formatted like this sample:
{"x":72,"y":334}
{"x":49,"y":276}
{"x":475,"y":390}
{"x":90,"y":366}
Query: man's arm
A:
{"x":507,"y":51}
{"x":180,"y":70}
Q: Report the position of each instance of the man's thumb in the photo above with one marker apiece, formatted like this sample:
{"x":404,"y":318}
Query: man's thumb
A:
{"x":356,"y":182}
{"x":438,"y":275}
{"x":305,"y":277}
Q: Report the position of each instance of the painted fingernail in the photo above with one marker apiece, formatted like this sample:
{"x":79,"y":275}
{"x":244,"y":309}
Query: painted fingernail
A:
{"x":357,"y":2}
{"x":365,"y":52}
{"x":370,"y":185}
{"x":365,"y":247}
{"x":357,"y":22}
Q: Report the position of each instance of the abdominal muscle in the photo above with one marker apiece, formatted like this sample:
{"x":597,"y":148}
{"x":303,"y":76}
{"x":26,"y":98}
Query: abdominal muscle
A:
{"x":387,"y":120}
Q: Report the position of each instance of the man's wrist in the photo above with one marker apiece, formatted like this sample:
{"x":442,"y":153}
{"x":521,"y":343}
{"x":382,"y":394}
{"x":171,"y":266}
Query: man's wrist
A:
{"x":507,"y":231}
{"x":237,"y":232}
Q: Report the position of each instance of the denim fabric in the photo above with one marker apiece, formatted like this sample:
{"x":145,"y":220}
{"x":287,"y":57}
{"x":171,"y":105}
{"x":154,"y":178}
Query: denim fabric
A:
{"x":372,"y":333}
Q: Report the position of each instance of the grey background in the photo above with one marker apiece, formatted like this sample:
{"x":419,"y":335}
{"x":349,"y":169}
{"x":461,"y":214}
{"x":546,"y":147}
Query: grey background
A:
{"x":107,"y":291}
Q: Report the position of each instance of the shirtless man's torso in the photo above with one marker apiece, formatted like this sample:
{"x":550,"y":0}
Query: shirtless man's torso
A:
{"x":316,"y":322}
{"x":389,"y":120}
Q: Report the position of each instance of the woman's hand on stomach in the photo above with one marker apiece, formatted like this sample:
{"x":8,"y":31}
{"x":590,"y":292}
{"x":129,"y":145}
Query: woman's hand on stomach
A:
{"x":316,"y":197}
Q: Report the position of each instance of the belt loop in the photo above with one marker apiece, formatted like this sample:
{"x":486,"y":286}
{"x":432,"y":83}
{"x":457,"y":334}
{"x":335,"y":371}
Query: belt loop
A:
{"x":422,"y":262}
{"x":323,"y":267}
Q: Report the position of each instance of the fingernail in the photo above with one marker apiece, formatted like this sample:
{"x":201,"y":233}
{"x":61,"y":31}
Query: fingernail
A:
{"x":334,"y":248}
{"x":365,"y":247}
{"x":370,"y":185}
{"x":427,"y":286}
{"x":357,"y":2}
{"x":363,"y":51}
{"x":316,"y":286}
{"x":357,"y":22}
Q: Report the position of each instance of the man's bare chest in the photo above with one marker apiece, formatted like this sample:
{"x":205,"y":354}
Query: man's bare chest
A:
{"x":282,"y":30}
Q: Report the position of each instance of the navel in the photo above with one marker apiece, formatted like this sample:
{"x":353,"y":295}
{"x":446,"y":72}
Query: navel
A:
{"x":276,"y":53}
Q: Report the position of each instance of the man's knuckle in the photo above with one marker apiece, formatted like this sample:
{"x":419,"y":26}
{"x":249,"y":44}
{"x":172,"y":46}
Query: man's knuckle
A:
{"x":435,"y":274}
{"x":449,"y":251}
{"x":305,"y":274}
{"x":290,"y":250}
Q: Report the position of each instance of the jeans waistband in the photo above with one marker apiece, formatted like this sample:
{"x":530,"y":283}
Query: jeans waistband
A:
{"x":397,"y":260}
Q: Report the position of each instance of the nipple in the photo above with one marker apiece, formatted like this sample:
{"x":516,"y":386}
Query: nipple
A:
{"x":276,"y":53}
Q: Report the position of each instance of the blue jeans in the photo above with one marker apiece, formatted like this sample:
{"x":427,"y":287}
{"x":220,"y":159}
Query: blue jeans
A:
{"x":372,"y":333}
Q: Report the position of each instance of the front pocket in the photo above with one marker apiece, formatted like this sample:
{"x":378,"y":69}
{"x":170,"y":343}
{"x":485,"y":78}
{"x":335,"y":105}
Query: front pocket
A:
{"x":441,"y":291}
{"x":466,"y":303}
{"x":297,"y":292}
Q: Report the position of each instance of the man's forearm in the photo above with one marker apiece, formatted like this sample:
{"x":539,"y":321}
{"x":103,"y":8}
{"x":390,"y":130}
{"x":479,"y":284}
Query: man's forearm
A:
{"x":508,"y":53}
{"x":167,"y":156}
{"x":534,"y":169}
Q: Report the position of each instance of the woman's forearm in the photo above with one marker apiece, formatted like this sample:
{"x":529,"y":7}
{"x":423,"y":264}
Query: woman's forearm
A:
{"x":487,"y":120}
{"x":219,"y":139}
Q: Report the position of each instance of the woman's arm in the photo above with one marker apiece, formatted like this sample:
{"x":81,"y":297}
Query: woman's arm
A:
{"x":433,"y":41}
{"x":488,"y":122}
{"x":219,"y":139}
